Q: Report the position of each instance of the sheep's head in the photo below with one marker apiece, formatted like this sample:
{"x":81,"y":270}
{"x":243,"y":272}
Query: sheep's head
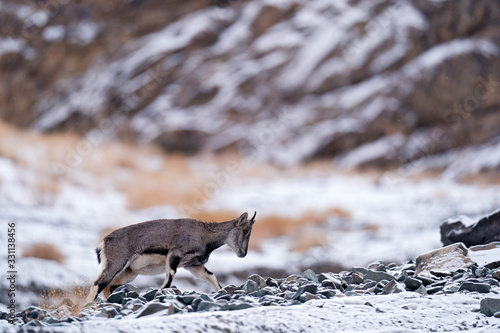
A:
{"x":239,"y":236}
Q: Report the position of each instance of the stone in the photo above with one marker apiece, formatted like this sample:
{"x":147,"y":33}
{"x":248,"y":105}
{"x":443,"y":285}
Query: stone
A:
{"x":116,"y":297}
{"x":377,"y":276}
{"x":211,"y":306}
{"x":377,"y":266}
{"x":33,"y":323}
{"x":240,"y":306}
{"x":489,"y":306}
{"x":230,"y":289}
{"x":451,"y":289}
{"x":333,"y":284}
{"x":31,"y":313}
{"x":201,"y":298}
{"x":156,"y":309}
{"x":433,"y":290}
{"x":449,"y":258}
{"x":3,"y":315}
{"x":496,"y":274}
{"x":439,"y":283}
{"x":272,"y":282}
{"x":310,"y":275}
{"x":187,"y":299}
{"x":328,"y":293}
{"x":227,"y":297}
{"x":357,"y":278}
{"x":360,"y":270}
{"x":150,"y":295}
{"x":412,"y":283}
{"x":421,"y":290}
{"x":491,"y":281}
{"x":107,"y":312}
{"x":250,"y":286}
{"x":258,"y":279}
{"x":50,"y":320}
{"x":306,"y":296}
{"x":132,"y":294}
{"x":133,"y":305}
{"x":310,"y":288}
{"x":127,"y":288}
{"x":366,"y":286}
{"x":479,"y":272}
{"x":292,"y":278}
{"x":484,"y":231}
{"x":426,"y":279}
{"x":269,"y":299}
{"x":389,"y":288}
{"x":440,"y":273}
{"x":475,"y":287}
{"x":261,"y":293}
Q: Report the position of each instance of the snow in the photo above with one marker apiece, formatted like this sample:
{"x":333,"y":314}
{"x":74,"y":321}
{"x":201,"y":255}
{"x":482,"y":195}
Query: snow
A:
{"x":381,"y":148}
{"x":385,"y":314}
{"x":53,"y":33}
{"x":461,"y":161}
{"x":11,"y":45}
{"x":431,"y":58}
{"x":401,"y":312}
{"x":485,"y":254}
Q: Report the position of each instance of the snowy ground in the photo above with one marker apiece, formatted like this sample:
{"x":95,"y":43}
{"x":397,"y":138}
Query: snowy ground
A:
{"x":392,"y":219}
{"x":401,"y":312}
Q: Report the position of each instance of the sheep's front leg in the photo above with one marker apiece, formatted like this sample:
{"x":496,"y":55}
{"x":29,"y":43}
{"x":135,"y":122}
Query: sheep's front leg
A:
{"x":205,"y":274}
{"x":171,"y":265}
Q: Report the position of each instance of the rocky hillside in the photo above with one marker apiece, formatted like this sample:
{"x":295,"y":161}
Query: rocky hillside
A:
{"x":369,"y":83}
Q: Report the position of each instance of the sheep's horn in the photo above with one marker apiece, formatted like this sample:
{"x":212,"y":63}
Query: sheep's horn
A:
{"x":253,"y":217}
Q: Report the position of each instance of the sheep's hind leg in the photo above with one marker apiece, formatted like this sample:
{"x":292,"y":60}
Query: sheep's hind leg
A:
{"x":107,"y":275}
{"x":203,"y":273}
{"x":124,"y":277}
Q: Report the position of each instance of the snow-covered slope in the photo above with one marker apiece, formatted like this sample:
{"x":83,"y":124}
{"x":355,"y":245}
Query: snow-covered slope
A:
{"x":389,"y":219}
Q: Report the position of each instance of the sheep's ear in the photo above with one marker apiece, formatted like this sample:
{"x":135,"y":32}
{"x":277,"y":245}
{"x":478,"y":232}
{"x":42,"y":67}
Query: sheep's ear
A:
{"x":242,"y":220}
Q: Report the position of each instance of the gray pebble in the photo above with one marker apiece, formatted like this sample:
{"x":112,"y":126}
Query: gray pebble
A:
{"x":490,"y":306}
{"x":475,"y":287}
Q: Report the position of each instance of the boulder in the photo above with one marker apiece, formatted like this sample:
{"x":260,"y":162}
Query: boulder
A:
{"x":489,"y":306}
{"x":156,"y":308}
{"x":451,"y":258}
{"x":459,"y":229}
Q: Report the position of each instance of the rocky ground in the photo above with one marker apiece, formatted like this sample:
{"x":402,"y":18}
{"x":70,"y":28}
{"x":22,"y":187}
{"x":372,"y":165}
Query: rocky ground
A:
{"x":447,"y":283}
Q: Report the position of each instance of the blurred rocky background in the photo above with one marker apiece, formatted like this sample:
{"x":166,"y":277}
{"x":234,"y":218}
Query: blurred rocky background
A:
{"x":369,"y":83}
{"x":347,"y":125}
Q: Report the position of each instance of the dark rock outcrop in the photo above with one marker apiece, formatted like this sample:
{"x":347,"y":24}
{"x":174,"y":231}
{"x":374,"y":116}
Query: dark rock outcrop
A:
{"x":484,"y":231}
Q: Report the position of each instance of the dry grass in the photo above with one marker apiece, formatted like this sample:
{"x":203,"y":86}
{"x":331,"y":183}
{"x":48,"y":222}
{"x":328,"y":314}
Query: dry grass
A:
{"x":62,"y":303}
{"x":308,"y":238}
{"x":145,"y":175}
{"x":44,"y":250}
{"x":484,"y":178}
